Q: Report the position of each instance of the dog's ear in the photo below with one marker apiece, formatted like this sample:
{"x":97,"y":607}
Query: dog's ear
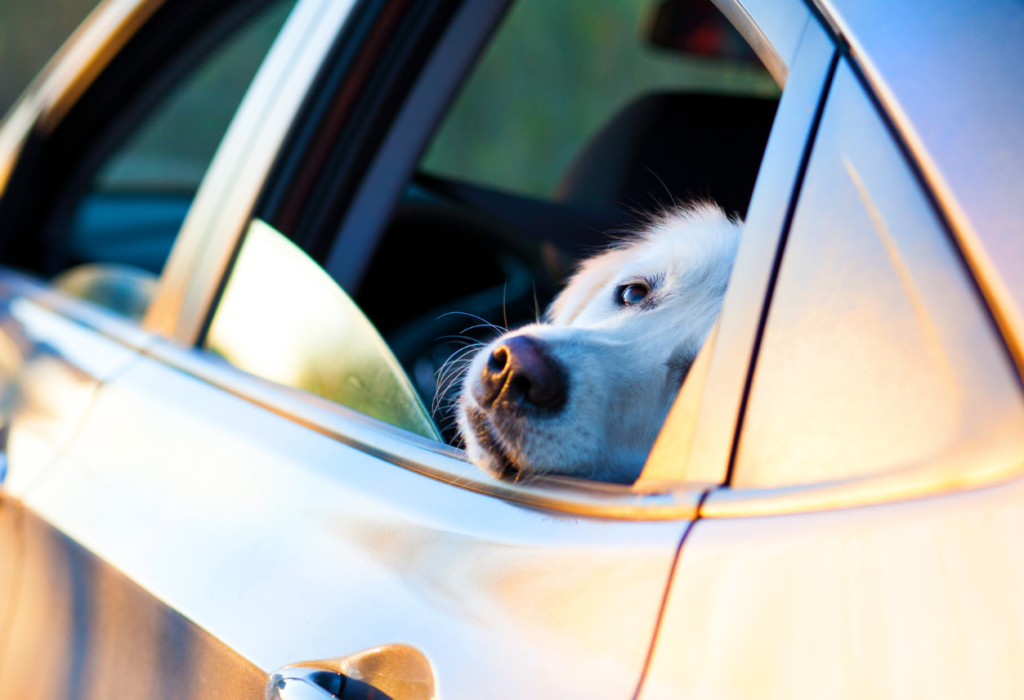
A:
{"x":592,"y":277}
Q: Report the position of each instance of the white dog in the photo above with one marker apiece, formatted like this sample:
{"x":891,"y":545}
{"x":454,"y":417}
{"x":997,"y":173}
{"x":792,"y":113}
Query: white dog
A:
{"x":585,"y":393}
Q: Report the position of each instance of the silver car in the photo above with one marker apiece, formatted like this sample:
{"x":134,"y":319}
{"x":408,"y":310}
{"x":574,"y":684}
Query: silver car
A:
{"x":246,"y":243}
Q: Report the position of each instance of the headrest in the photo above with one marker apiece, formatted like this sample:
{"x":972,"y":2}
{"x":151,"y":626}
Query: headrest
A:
{"x":666,"y":147}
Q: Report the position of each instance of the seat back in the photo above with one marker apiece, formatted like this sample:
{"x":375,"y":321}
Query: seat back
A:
{"x":666,"y":147}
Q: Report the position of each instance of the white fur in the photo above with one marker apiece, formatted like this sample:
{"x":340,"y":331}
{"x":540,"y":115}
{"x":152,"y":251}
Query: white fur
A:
{"x":624,"y":364}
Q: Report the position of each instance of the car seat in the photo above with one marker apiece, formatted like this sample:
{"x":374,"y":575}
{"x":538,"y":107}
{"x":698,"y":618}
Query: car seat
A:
{"x":666,"y":147}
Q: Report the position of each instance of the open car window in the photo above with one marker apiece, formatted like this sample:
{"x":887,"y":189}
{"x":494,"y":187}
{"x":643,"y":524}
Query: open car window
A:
{"x":578,"y":121}
{"x":472,"y":246}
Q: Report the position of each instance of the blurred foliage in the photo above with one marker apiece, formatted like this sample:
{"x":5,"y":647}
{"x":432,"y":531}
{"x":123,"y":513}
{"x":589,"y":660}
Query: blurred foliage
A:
{"x":31,"y":31}
{"x":173,"y":146}
{"x":556,"y":72}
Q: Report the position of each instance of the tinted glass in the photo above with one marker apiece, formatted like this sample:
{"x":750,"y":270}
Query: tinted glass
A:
{"x":139,"y":196}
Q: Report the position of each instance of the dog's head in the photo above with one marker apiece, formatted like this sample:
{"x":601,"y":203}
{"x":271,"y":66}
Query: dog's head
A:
{"x":585,"y":393}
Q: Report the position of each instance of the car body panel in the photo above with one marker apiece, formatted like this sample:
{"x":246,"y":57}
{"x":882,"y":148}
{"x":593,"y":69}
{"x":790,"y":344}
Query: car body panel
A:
{"x":899,"y":586}
{"x":904,"y":600}
{"x":288,"y":546}
{"x":85,"y":630}
{"x":50,"y":369}
{"x":948,"y":76}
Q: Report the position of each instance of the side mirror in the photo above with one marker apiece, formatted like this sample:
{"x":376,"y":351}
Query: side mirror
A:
{"x":696,"y":27}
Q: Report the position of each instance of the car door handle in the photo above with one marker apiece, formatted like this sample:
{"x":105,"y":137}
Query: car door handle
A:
{"x":388,"y":672}
{"x":302,"y":683}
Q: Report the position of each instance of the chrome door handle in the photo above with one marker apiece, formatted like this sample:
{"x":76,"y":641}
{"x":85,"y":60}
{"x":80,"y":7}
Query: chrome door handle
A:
{"x":387,"y":672}
{"x":302,"y":683}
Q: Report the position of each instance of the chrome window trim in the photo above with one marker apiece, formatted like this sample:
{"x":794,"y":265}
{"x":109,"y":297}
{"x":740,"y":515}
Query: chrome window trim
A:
{"x":221,"y":210}
{"x":85,"y":313}
{"x":772,"y":28}
{"x":374,"y":437}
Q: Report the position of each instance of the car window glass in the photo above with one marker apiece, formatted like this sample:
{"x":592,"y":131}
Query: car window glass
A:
{"x":557,"y":71}
{"x":283,"y":318}
{"x":877,"y":353}
{"x":138,"y":197}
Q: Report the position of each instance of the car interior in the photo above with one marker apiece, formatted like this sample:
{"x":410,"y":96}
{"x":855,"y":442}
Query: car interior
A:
{"x":501,"y":255}
{"x":518,"y":183}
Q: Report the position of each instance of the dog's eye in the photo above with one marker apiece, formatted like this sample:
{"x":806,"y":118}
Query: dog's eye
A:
{"x":630,"y":294}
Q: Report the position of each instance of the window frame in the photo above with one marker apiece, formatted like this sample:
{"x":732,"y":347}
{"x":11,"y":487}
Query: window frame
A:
{"x":707,"y":456}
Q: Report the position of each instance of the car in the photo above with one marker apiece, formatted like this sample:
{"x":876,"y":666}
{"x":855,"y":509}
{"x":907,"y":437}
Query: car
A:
{"x":244,"y":243}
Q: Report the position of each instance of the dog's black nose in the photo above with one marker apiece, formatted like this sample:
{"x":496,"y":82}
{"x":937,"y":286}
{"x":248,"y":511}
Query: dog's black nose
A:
{"x":520,"y":371}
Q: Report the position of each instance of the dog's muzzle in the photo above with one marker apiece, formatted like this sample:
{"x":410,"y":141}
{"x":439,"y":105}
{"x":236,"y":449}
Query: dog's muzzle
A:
{"x":521,"y":375}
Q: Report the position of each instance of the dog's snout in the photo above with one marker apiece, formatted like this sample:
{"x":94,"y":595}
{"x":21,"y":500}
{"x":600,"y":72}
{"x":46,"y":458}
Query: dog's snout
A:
{"x":520,"y":370}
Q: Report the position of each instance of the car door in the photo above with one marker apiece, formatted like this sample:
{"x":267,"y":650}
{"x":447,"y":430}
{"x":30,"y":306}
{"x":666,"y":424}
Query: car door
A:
{"x":213,"y":526}
{"x":868,"y":542}
{"x":540,"y":589}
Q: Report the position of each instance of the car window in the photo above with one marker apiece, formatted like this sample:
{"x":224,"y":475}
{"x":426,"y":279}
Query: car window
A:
{"x":877,"y":353}
{"x":282,"y":318}
{"x":556,"y":72}
{"x":136,"y":199}
{"x":464,"y":255}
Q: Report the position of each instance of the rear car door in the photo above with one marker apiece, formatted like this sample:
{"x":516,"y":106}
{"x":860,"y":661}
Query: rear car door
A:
{"x":208,"y":527}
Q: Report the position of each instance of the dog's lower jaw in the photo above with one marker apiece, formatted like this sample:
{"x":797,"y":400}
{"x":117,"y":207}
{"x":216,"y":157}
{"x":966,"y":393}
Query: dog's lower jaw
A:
{"x":483,"y":445}
{"x":486,"y":448}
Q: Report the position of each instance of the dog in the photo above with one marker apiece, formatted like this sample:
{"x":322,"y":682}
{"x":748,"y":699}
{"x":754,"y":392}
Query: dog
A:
{"x":584,"y":393}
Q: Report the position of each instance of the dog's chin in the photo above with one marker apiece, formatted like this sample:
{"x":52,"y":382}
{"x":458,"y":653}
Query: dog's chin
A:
{"x":496,"y":451}
{"x":484,"y":444}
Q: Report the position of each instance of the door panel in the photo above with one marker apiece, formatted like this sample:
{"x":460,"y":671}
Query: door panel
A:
{"x":50,"y":367}
{"x":10,"y":566}
{"x":912,"y":600}
{"x":84,"y":630}
{"x":289,"y":546}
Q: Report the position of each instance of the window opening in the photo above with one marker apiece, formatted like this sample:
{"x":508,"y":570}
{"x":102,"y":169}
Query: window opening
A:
{"x":468,"y":254}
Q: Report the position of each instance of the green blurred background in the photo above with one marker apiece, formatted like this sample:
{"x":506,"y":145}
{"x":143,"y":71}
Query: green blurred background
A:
{"x":30,"y":32}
